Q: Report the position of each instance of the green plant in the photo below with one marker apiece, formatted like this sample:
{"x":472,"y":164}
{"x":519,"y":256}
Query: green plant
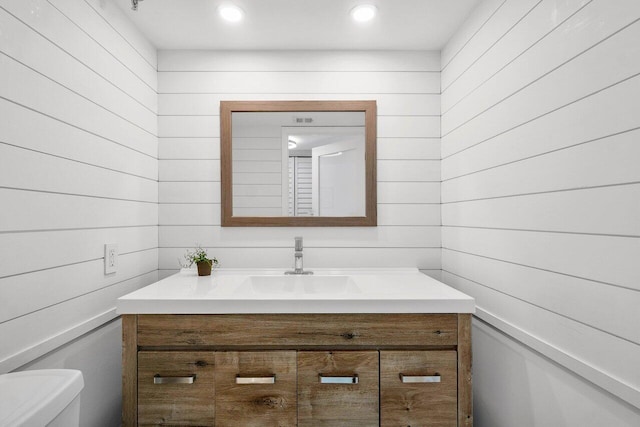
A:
{"x":199,"y":255}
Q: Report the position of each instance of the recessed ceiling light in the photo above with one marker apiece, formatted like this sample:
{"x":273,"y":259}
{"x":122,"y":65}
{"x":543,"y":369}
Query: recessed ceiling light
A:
{"x":363,"y":12}
{"x":292,"y":144}
{"x":230,"y":13}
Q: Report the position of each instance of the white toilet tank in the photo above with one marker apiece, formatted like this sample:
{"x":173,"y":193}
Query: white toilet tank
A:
{"x":48,"y":397}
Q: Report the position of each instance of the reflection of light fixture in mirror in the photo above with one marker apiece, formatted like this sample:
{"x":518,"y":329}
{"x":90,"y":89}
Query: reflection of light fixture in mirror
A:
{"x":363,"y":12}
{"x":230,"y":12}
{"x":292,"y":144}
{"x":339,"y":153}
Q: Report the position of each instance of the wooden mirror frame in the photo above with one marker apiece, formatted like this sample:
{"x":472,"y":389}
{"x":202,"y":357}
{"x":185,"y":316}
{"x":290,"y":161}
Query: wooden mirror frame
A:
{"x":229,"y":107}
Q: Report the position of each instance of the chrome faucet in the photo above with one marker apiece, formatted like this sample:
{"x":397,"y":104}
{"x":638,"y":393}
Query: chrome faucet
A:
{"x":297,"y":256}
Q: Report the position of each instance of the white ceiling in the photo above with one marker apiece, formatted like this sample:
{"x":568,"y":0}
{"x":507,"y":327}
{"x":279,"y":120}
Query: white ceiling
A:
{"x":299,"y":24}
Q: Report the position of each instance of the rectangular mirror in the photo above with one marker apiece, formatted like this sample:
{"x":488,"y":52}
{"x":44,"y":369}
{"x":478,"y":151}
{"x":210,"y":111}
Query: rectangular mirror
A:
{"x":298,"y":163}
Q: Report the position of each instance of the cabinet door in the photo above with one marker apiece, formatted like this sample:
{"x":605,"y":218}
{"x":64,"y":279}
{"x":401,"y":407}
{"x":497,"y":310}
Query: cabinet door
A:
{"x":255,"y":388}
{"x":338,"y":388}
{"x":175,"y":388}
{"x":418,"y":388}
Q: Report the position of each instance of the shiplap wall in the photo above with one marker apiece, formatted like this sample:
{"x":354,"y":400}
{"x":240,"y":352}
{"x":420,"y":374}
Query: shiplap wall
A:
{"x":541,"y":200}
{"x":406,"y":86}
{"x":78,"y":169}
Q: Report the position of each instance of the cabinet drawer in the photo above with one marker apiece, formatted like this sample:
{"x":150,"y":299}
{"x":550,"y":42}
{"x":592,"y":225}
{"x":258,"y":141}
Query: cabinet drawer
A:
{"x":176,"y":388}
{"x":298,"y":330}
{"x":255,"y":388}
{"x":328,"y":394}
{"x":418,"y":388}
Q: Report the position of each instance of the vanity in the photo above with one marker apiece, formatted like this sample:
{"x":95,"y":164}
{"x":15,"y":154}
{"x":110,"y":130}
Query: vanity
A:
{"x":389,"y":347}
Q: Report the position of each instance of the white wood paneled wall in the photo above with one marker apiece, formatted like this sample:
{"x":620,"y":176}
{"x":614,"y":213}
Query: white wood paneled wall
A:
{"x":541,"y":184}
{"x":406,"y":86}
{"x":78,"y":169}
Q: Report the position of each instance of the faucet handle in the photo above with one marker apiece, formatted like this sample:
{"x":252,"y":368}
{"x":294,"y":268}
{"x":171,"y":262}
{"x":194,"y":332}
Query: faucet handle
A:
{"x":298,"y":246}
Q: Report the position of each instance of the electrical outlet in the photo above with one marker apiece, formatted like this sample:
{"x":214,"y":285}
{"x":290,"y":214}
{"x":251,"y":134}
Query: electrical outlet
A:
{"x":110,"y":258}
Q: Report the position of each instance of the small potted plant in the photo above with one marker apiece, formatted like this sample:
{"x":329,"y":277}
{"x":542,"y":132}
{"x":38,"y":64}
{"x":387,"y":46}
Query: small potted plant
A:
{"x":201,"y":259}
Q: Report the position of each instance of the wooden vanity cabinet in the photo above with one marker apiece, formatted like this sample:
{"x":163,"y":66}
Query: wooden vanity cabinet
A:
{"x":297,"y":369}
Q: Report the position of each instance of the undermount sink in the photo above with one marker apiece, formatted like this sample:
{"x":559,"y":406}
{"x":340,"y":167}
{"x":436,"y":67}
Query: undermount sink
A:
{"x":294,"y":284}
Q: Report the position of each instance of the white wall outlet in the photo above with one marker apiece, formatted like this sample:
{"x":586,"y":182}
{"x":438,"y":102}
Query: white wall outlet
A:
{"x":110,"y":258}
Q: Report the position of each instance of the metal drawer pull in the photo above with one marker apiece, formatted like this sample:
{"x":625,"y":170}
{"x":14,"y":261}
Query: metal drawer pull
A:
{"x":157,"y":379}
{"x":353,"y":379}
{"x":420,"y":378}
{"x":271,"y":379}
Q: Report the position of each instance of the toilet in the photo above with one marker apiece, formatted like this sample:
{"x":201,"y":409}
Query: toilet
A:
{"x":48,"y":397}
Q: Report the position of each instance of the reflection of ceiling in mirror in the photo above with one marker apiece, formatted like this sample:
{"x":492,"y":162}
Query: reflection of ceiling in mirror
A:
{"x":263,"y":119}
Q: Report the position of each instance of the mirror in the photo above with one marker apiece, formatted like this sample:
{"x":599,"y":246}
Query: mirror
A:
{"x":298,"y":163}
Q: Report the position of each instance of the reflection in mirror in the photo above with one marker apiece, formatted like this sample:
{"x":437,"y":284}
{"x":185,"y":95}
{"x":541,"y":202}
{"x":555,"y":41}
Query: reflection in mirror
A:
{"x":298,"y":163}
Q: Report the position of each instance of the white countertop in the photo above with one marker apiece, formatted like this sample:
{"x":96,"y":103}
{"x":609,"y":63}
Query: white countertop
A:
{"x":231,"y":291}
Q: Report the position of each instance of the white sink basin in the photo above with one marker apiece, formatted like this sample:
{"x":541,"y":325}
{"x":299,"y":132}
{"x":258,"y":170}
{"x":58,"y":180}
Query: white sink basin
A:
{"x":298,"y":284}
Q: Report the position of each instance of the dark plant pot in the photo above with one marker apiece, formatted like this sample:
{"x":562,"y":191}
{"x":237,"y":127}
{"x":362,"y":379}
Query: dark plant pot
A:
{"x":204,"y":268}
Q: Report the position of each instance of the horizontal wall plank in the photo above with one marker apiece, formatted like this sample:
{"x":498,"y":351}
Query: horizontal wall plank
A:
{"x":552,"y":291}
{"x":27,"y":293}
{"x":408,"y":192}
{"x":57,"y":28}
{"x":598,"y":349}
{"x":209,"y":214}
{"x":40,"y":54}
{"x":189,"y":170}
{"x":257,"y":177}
{"x":422,"y":258}
{"x":537,"y":24}
{"x":208,"y":104}
{"x":408,"y":127}
{"x":257,"y":189}
{"x":606,"y":161}
{"x":299,"y":82}
{"x":487,"y":36}
{"x":314,"y":237}
{"x":584,"y":256}
{"x":408,"y":170}
{"x":200,"y":60}
{"x":407,"y":214}
{"x":35,"y":334}
{"x":189,"y":214}
{"x":53,"y":249}
{"x":36,"y":131}
{"x":478,"y":17}
{"x":66,"y":106}
{"x":259,"y":154}
{"x":388,"y":126}
{"x":25,"y":169}
{"x":189,"y":126}
{"x":608,"y":210}
{"x":541,"y":96}
{"x":596,"y":116}
{"x":189,"y":148}
{"x":25,"y":210}
{"x":189,"y":192}
{"x":408,"y":148}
